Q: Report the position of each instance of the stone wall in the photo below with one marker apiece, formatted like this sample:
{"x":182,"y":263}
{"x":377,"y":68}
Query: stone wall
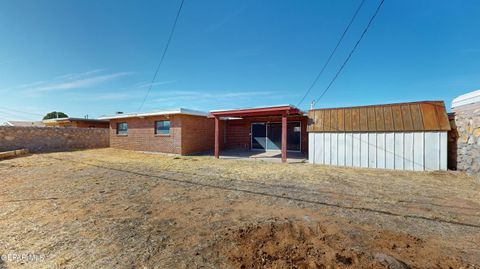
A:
{"x":50,"y":139}
{"x":466,"y":130}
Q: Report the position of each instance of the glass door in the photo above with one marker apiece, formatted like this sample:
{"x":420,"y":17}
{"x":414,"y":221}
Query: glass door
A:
{"x":259,"y":136}
{"x":268,"y":136}
{"x":274,"y":136}
{"x":294,"y":136}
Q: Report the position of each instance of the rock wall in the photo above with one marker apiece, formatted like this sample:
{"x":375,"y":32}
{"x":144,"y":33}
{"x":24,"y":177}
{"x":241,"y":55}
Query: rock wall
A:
{"x":50,"y":139}
{"x":466,"y":130}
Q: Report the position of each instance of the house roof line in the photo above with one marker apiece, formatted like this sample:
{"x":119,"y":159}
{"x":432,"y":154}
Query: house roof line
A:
{"x":72,"y":119}
{"x":466,"y":99}
{"x":183,"y":111}
{"x":248,"y":108}
{"x":24,"y":123}
{"x":260,"y":111}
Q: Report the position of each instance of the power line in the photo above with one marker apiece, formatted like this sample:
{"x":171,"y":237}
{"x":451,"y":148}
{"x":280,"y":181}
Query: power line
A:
{"x":163,"y":55}
{"x":331,"y":54}
{"x":352,"y":51}
{"x":20,"y":111}
{"x":14,"y":115}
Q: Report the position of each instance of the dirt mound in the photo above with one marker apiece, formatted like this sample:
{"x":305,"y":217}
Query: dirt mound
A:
{"x":299,"y":244}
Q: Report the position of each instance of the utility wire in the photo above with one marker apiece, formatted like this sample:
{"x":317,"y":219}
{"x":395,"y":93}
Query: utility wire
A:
{"x":331,"y":54}
{"x":20,"y":111}
{"x":352,"y":51}
{"x":163,"y":55}
{"x":14,"y":115}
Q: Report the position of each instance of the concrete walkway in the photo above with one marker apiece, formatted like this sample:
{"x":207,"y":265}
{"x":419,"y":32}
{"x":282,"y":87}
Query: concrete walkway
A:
{"x":268,"y":156}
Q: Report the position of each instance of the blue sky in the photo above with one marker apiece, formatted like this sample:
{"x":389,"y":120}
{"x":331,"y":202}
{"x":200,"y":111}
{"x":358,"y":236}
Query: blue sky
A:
{"x":98,"y":57}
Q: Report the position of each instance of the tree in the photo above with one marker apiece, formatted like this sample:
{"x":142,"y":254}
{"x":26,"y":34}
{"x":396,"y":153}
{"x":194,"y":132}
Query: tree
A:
{"x":54,"y":115}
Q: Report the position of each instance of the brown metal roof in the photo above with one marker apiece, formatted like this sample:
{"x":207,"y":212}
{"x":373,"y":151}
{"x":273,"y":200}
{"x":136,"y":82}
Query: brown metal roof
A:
{"x":416,"y":116}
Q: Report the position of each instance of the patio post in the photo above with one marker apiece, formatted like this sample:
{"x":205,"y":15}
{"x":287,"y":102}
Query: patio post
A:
{"x":217,"y":137}
{"x":284,"y":137}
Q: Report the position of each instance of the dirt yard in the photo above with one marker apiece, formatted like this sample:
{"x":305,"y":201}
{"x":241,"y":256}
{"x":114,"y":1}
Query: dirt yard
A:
{"x":119,"y":209}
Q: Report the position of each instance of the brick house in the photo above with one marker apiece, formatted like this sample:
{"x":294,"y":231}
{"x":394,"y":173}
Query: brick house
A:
{"x":180,"y":131}
{"x":76,"y":123}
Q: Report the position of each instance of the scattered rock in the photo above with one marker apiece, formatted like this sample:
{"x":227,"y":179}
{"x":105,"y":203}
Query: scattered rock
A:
{"x":390,"y":262}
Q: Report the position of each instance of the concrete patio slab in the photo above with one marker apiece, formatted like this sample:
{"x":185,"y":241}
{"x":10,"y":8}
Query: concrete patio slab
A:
{"x":267,"y":156}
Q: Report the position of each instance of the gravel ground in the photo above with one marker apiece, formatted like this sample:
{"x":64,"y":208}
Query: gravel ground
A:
{"x":111,"y":208}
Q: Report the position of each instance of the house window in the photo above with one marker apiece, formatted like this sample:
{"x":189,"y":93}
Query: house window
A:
{"x":162,"y":127}
{"x":122,"y":128}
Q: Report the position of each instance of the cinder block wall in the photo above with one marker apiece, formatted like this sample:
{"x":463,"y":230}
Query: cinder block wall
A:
{"x":50,"y":139}
{"x":465,"y":139}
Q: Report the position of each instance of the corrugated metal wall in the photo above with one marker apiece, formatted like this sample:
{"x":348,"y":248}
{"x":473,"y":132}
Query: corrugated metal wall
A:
{"x":417,"y":151}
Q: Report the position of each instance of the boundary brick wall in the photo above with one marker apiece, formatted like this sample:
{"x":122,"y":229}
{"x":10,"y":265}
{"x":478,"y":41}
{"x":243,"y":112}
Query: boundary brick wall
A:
{"x":51,"y":139}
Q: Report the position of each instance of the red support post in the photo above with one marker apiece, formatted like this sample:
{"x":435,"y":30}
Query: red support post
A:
{"x":217,"y":137}
{"x":284,"y":138}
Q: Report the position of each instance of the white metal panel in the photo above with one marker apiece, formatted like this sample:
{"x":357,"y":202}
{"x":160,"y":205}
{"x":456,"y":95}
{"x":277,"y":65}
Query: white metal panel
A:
{"x":432,"y":150}
{"x":372,"y":150}
{"x":334,"y":149}
{"x":390,"y":150}
{"x":341,"y":149}
{"x":408,"y":151}
{"x":443,"y":151}
{"x":349,"y":149}
{"x":399,"y":151}
{"x":356,"y":149}
{"x":418,"y":152}
{"x":396,"y":150}
{"x":364,"y":149}
{"x":327,"y":148}
{"x":380,"y":150}
{"x":320,"y":148}
{"x":311,"y":147}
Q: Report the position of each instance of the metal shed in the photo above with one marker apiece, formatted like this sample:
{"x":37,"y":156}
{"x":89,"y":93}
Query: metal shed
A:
{"x":403,"y":136}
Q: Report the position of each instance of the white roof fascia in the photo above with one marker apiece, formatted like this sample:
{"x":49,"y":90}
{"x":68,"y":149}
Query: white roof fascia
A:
{"x":157,"y":113}
{"x":246,"y":108}
{"x":466,"y":99}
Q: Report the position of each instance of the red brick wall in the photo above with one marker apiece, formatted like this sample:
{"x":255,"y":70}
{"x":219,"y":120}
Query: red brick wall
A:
{"x":188,"y":134}
{"x":238,"y":131}
{"x":198,"y":134}
{"x":141,"y":135}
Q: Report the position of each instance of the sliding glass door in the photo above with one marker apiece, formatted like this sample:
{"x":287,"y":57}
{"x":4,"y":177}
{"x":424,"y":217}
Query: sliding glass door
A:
{"x":268,"y":136}
{"x":259,"y":136}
